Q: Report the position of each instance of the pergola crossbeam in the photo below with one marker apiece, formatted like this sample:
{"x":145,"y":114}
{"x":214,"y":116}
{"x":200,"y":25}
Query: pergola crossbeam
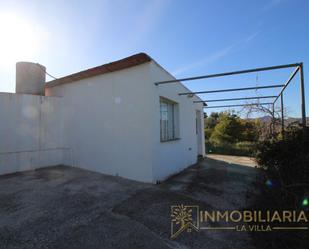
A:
{"x":221,"y":106}
{"x":229,"y":73}
{"x":245,"y":98}
{"x":287,"y":83}
{"x":232,"y":89}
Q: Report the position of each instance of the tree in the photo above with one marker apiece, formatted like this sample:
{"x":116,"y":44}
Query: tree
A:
{"x":227,"y":130}
{"x":210,"y":123}
{"x":249,"y":130}
{"x":227,"y":133}
{"x":270,"y":127}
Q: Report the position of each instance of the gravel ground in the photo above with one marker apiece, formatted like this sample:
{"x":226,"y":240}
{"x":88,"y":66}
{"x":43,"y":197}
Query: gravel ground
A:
{"x":64,"y":207}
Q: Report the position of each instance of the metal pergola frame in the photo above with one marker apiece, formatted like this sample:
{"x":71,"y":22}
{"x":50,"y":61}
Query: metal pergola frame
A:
{"x":220,"y":106}
{"x":298,"y":68}
{"x":247,"y":98}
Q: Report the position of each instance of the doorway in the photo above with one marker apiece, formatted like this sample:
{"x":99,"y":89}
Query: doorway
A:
{"x":199,"y":139}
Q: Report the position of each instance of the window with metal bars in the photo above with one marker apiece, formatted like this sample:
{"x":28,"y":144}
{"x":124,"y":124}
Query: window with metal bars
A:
{"x":168,"y":120}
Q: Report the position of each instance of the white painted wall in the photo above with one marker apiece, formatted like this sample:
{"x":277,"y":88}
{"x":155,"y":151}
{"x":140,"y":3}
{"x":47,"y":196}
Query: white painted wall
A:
{"x":31,"y":134}
{"x":173,"y":156}
{"x":108,"y":120}
{"x":112,"y":124}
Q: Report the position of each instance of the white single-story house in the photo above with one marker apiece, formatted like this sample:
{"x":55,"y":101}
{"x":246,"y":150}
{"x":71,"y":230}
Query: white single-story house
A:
{"x":111,"y":119}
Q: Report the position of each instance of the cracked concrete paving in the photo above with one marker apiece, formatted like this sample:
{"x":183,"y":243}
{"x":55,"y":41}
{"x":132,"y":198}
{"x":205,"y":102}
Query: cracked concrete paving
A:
{"x":64,"y":207}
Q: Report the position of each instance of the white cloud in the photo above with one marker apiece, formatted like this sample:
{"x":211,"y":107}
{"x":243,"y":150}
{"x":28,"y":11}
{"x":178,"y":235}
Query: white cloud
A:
{"x":252,"y":36}
{"x":206,"y":61}
{"x":209,"y":59}
{"x":271,"y":4}
{"x":146,"y":21}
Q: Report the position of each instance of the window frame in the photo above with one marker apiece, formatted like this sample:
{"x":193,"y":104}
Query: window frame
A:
{"x":174,"y":106}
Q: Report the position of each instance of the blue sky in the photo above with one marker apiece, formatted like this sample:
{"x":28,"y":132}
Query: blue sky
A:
{"x":187,"y":38}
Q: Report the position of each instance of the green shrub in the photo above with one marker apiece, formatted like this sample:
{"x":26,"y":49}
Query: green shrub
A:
{"x":286,"y":164}
{"x":227,"y":133}
{"x":288,"y":158}
{"x":239,"y":149}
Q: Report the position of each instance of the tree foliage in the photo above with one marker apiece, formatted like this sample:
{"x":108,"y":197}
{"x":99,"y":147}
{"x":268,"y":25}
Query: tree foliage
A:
{"x":227,"y":133}
{"x":227,"y":129}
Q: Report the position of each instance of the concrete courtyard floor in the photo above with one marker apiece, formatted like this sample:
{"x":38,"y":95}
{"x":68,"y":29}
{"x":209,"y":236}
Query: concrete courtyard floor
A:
{"x":64,"y":207}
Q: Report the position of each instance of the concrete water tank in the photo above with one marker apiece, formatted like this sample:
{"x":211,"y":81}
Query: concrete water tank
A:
{"x":30,"y":78}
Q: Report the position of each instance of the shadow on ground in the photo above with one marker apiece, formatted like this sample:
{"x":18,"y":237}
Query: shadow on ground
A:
{"x":64,"y":207}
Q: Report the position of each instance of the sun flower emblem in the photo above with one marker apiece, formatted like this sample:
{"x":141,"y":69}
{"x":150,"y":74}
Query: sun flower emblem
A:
{"x":182,"y":215}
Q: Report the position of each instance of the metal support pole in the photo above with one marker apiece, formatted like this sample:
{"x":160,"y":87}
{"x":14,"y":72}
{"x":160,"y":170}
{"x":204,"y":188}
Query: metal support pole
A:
{"x":273,"y":120}
{"x":282,"y":116}
{"x":302,"y":93}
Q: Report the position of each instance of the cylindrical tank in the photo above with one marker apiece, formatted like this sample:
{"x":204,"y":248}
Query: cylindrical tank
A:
{"x":30,"y":78}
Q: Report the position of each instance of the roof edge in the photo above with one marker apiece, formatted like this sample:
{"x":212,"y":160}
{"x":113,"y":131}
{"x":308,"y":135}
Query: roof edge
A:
{"x":124,"y":63}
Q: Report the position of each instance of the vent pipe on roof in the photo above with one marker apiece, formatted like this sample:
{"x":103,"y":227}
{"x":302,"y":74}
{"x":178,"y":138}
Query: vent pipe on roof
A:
{"x":30,"y":78}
